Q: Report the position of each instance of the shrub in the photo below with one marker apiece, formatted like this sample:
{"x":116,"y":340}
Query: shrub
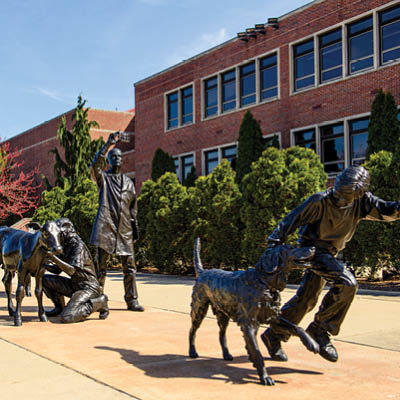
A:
{"x":279,"y":181}
{"x":215,"y":206}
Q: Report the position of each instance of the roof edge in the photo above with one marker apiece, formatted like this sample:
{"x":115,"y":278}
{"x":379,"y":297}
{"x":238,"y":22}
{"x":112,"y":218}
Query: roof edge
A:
{"x":284,"y":16}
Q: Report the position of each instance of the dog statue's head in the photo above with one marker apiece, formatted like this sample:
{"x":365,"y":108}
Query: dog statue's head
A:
{"x":276,"y":262}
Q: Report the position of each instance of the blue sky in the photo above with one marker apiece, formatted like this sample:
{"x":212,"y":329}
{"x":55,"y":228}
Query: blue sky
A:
{"x":54,"y":50}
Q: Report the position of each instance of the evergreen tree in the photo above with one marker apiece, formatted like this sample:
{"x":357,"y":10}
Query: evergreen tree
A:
{"x":250,"y":145}
{"x":191,"y":178}
{"x":383,"y":129}
{"x":79,"y":148}
{"x":162,"y":163}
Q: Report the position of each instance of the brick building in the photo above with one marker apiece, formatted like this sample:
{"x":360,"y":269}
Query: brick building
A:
{"x":36,"y":143}
{"x":309,"y":77}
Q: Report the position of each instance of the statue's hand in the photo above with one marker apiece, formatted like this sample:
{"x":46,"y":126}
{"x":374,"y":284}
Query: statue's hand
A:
{"x":113,"y":138}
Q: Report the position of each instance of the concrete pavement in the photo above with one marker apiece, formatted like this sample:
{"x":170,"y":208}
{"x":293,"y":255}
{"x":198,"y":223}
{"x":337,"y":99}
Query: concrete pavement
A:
{"x":144,"y":355}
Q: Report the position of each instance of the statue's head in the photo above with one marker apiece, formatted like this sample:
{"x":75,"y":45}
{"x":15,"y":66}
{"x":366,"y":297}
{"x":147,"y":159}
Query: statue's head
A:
{"x":350,"y":184}
{"x":114,"y":158}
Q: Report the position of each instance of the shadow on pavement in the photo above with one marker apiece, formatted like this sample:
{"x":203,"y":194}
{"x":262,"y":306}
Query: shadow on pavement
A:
{"x":178,"y":366}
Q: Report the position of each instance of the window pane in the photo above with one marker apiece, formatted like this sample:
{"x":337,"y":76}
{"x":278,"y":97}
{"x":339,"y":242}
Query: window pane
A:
{"x":211,"y":96}
{"x":305,"y":139}
{"x":333,"y":168}
{"x":211,"y":160}
{"x":304,"y":48}
{"x":331,"y":74}
{"x":268,"y":61}
{"x":359,"y":145}
{"x":361,"y":51}
{"x":176,"y":162}
{"x":332,"y":130}
{"x":360,"y":124}
{"x":229,"y":153}
{"x":333,"y":149}
{"x":391,"y":35}
{"x":331,"y":37}
{"x":172,"y":110}
{"x":302,"y":83}
{"x":229,"y":95}
{"x":305,"y":65}
{"x":390,"y":15}
{"x":269,"y":82}
{"x":248,"y":84}
{"x":361,"y":46}
{"x":331,"y":56}
{"x":228,"y":76}
{"x":211,"y":82}
{"x":391,"y":55}
{"x":187,"y":105}
{"x":360,"y":26}
{"x":187,"y":164}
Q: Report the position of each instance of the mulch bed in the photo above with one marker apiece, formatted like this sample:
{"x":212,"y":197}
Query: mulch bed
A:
{"x":387,"y":285}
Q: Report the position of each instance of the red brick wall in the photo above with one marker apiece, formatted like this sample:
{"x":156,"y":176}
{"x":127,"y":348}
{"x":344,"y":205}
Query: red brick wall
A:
{"x":343,"y":98}
{"x":38,"y":141}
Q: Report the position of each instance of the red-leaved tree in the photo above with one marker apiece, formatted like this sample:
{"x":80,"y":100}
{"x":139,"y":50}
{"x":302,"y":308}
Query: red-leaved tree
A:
{"x":18,"y":190}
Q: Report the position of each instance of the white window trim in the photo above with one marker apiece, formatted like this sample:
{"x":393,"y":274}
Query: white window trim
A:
{"x":236,"y":67}
{"x":345,"y":58}
{"x":179,"y":91}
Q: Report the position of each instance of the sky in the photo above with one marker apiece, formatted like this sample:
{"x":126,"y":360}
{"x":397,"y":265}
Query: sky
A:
{"x":52,"y":51}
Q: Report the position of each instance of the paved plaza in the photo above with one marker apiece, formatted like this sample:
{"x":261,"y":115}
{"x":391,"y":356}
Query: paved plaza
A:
{"x":144,"y":355}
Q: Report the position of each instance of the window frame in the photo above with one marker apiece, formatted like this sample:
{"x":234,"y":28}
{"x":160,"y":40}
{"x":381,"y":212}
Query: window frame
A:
{"x":381,"y":26}
{"x":179,"y":166}
{"x":347,"y":135}
{"x":180,"y":105}
{"x":220,"y":149}
{"x":297,"y":57}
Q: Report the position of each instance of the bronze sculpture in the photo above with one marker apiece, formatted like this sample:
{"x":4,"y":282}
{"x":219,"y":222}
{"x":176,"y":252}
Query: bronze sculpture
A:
{"x":250,"y":298}
{"x":25,"y":253}
{"x":115,"y":227}
{"x":81,"y":285}
{"x":327,"y":221}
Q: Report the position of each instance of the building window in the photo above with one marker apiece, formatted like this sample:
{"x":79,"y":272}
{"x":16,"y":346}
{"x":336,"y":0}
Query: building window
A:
{"x":332,"y":148}
{"x":179,"y":108}
{"x":228,"y":91}
{"x":248,"y":84}
{"x":214,"y":156}
{"x":330,"y":54}
{"x":183,"y":166}
{"x":269,"y":77}
{"x":172,"y":100}
{"x":305,"y":138}
{"x":304,"y":65}
{"x":211,"y":96}
{"x":358,"y":140}
{"x":390,"y":35}
{"x":187,"y":105}
{"x":361,"y":45}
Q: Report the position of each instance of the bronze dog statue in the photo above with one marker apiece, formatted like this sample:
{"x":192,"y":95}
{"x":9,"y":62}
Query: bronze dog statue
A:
{"x":249,"y":298}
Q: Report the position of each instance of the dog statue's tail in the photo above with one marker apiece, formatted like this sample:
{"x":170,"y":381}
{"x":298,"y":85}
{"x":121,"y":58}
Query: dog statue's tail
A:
{"x":198,"y":266}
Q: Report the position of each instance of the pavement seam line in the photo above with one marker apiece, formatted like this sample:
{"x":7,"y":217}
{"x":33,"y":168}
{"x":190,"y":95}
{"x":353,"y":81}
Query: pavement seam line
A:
{"x":70,"y":368}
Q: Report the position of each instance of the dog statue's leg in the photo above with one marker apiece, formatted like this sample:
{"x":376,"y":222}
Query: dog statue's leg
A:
{"x":7,"y":280}
{"x":198,"y":312}
{"x":255,"y":356}
{"x":223,"y":321}
{"x":305,"y":338}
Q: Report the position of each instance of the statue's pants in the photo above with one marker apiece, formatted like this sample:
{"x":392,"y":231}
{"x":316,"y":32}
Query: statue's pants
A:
{"x":334,"y":305}
{"x":79,"y":307}
{"x":128,"y":270}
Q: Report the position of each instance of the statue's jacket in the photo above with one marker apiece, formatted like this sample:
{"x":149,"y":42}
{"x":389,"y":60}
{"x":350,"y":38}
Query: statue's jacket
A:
{"x":323,"y":224}
{"x":116,"y":216}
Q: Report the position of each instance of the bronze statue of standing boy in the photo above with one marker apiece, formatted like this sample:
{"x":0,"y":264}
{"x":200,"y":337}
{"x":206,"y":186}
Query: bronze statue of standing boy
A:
{"x":115,"y":228}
